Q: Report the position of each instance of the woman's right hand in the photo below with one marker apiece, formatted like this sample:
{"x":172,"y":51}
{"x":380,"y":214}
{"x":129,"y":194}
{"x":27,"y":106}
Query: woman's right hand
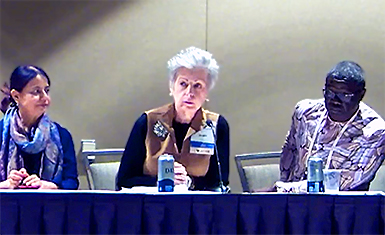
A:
{"x":14,"y":179}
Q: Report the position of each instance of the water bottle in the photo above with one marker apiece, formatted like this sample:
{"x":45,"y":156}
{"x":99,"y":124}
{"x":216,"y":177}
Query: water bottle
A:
{"x":166,"y":173}
{"x":315,"y":175}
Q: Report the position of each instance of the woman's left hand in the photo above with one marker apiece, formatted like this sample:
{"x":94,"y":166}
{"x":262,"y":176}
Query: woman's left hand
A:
{"x":180,"y":174}
{"x":35,"y":181}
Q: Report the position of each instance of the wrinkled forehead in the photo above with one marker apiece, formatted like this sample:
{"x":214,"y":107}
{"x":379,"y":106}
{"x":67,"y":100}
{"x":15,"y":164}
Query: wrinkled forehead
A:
{"x":342,"y":85}
{"x":193,"y":74}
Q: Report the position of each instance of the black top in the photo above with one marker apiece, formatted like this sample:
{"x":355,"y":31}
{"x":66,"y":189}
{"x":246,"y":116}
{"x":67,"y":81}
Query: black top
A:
{"x":32,"y":162}
{"x":131,"y":167}
{"x":180,"y":130}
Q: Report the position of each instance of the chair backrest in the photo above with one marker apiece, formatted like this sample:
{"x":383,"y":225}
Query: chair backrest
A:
{"x":101,"y":165}
{"x":378,"y":183}
{"x":263,"y":172}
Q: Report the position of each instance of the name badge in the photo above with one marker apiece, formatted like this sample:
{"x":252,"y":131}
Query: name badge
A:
{"x":202,"y":142}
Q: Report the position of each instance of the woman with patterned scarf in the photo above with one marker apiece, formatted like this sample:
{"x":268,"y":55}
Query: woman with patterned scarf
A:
{"x":34,"y":151}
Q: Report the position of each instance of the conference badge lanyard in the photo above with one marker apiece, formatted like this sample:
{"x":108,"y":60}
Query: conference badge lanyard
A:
{"x":316,"y":131}
{"x":202,"y":142}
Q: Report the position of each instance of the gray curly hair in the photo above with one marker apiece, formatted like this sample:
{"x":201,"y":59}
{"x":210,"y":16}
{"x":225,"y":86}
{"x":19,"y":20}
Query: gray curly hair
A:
{"x":190,"y":58}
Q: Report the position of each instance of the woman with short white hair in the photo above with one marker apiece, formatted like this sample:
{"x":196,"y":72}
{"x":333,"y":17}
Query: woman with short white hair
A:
{"x":169,"y":129}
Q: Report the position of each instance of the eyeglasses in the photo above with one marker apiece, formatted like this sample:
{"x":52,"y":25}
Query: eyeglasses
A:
{"x":344,"y":97}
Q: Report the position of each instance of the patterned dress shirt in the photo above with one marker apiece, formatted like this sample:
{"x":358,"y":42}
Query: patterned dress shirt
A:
{"x":359,"y":152}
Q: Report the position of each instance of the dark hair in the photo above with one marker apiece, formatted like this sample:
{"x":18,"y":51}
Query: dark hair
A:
{"x":348,"y":71}
{"x":19,"y":79}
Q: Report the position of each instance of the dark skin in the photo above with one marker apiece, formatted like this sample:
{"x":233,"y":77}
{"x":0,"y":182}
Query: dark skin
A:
{"x":338,"y":109}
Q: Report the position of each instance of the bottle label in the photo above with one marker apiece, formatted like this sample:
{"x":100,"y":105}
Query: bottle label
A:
{"x":165,"y":173}
{"x":315,"y":187}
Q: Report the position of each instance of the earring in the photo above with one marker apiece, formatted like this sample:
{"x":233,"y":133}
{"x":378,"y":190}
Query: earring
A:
{"x":207,"y":100}
{"x":170,"y":94}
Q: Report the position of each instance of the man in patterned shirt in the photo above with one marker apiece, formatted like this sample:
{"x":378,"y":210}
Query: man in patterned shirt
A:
{"x":342,"y":130}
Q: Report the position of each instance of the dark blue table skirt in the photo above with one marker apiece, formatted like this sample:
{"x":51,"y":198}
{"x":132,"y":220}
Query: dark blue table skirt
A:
{"x":109,"y":213}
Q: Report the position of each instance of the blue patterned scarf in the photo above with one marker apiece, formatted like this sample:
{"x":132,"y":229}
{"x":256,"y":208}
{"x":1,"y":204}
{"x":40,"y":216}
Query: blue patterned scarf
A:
{"x":45,"y":139}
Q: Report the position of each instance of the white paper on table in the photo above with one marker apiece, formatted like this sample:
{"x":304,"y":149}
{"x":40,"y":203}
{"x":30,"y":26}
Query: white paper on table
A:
{"x":292,"y":187}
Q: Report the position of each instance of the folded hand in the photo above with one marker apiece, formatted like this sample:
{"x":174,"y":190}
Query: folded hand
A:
{"x":35,"y":182}
{"x":14,"y":179}
{"x":180,"y":174}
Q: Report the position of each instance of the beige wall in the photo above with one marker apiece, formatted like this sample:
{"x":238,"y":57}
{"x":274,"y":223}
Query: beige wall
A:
{"x":107,"y":59}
